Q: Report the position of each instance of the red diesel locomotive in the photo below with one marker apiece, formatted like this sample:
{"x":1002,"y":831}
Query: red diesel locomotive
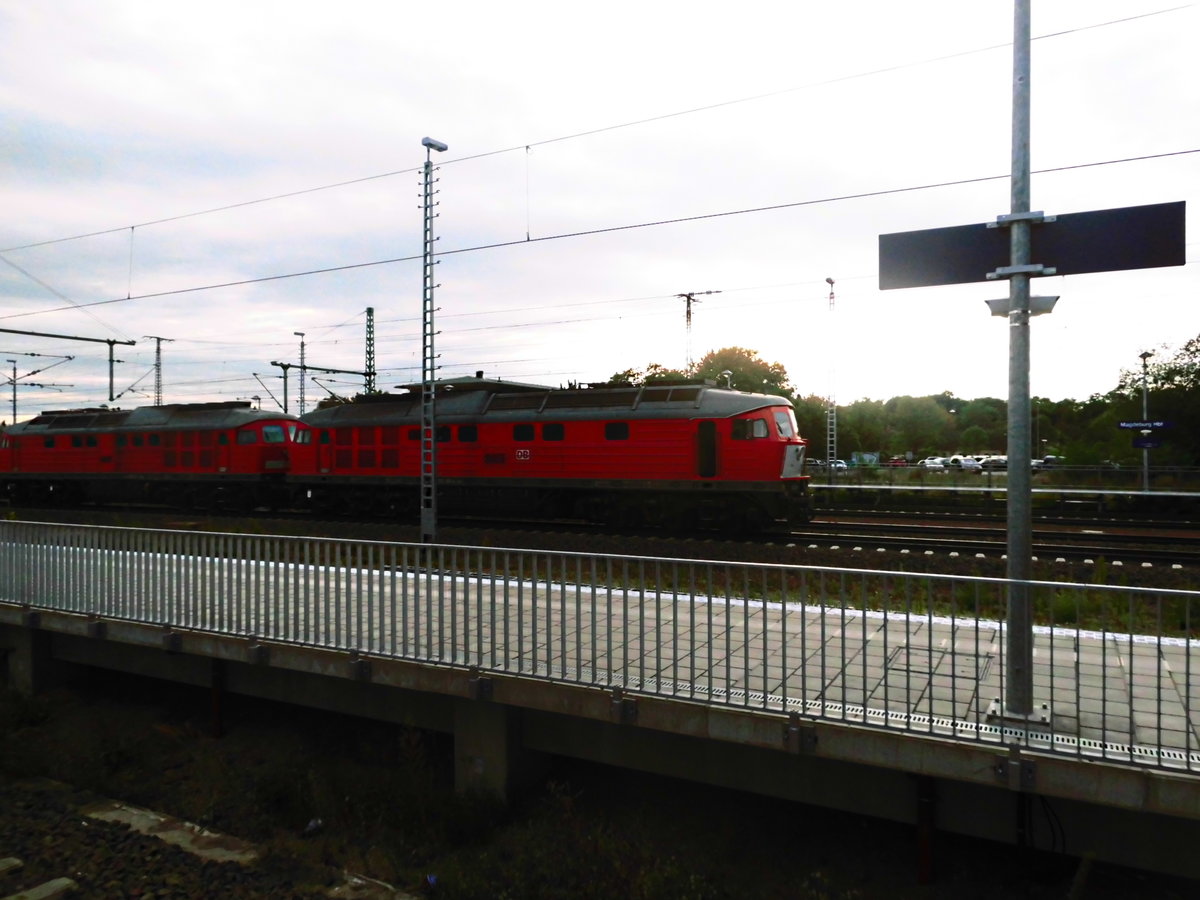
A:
{"x":662,"y":455}
{"x":193,"y":455}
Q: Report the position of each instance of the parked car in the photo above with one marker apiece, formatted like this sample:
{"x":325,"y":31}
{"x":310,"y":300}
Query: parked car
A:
{"x":1049,"y":462}
{"x":965,"y":463}
{"x":932,"y":462}
{"x":896,"y":461}
{"x":992,"y":463}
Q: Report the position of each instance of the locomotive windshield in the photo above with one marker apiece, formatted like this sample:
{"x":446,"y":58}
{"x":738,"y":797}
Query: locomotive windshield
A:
{"x":785,"y":421}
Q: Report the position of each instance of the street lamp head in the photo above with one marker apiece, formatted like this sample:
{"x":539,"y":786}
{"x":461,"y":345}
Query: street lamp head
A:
{"x":434,"y":145}
{"x":829,"y":281}
{"x":1145,"y":355}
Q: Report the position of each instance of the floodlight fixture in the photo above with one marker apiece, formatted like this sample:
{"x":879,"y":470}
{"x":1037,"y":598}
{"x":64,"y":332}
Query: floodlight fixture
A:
{"x":434,"y":145}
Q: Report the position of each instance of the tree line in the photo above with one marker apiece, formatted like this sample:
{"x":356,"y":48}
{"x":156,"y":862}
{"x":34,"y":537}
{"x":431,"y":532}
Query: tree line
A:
{"x":1086,"y":432}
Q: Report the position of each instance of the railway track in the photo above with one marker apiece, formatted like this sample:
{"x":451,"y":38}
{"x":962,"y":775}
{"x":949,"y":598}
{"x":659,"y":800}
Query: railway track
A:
{"x":1161,"y":545}
{"x":1154,"y":545}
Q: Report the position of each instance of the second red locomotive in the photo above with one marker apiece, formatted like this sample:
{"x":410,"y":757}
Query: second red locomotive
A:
{"x":661,"y":455}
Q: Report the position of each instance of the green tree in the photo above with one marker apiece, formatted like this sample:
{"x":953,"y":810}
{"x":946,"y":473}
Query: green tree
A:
{"x":652,"y":373}
{"x":748,"y":372}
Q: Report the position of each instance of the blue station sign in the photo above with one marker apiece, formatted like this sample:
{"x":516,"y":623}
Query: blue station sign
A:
{"x":1146,"y":426}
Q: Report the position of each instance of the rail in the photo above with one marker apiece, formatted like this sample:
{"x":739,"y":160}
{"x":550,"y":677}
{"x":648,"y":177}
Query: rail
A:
{"x":1116,"y":667}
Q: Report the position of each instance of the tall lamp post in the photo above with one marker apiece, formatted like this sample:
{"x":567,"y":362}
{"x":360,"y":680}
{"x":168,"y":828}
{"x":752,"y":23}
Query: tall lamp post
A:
{"x":1145,"y":355}
{"x":428,"y":359}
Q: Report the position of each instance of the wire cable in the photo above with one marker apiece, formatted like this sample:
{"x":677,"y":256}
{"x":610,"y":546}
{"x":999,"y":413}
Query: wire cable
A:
{"x":596,"y":231}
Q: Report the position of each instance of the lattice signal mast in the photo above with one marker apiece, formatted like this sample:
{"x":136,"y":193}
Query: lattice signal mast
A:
{"x":158,"y":366}
{"x":428,"y":357}
{"x":831,"y":408}
{"x":688,"y":300}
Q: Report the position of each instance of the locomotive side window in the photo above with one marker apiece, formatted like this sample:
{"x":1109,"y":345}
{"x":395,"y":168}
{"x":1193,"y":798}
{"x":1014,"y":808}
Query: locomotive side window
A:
{"x":553,"y":431}
{"x":443,"y":434}
{"x":138,"y":440}
{"x":616,"y":431}
{"x":154,"y":439}
{"x":468,"y":434}
{"x":48,"y":442}
{"x":522,"y":432}
{"x":76,"y":440}
{"x":247,"y":437}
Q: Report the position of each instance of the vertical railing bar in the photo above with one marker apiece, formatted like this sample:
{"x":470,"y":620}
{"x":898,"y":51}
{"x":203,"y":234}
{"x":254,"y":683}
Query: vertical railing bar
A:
{"x":450,"y":582}
{"x":1158,"y":678}
{"x":784,"y":636}
{"x":766,"y":645}
{"x":521,"y":615}
{"x":746,"y":642}
{"x":658,"y":630}
{"x":691,"y":568}
{"x":492,"y":609}
{"x":1104,"y":680}
{"x":641,"y":619}
{"x":608,"y":620}
{"x":675,"y":627}
{"x":729,"y":639}
{"x":408,"y":593}
{"x":843,"y":609}
{"x":865,"y":653}
{"x":931,"y":594}
{"x":579,"y":619}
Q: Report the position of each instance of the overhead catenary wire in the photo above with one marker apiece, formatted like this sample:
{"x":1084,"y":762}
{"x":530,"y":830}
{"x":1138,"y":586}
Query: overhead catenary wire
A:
{"x":612,"y":229}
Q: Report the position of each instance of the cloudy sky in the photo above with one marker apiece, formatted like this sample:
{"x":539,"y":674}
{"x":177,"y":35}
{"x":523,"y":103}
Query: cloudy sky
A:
{"x":225,"y":174}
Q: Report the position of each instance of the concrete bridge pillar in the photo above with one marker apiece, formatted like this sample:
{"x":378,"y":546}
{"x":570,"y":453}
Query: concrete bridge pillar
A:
{"x":488,"y":756}
{"x":30,"y":663}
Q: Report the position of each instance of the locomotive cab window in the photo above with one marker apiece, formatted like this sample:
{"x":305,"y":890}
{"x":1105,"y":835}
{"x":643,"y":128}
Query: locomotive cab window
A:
{"x":748,"y":429}
{"x":553,"y":431}
{"x":273,"y":434}
{"x":247,"y":437}
{"x":616,"y":431}
{"x":522,"y":432}
{"x":468,"y":434}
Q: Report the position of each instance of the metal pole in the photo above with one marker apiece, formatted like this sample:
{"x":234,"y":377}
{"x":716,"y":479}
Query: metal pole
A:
{"x":1145,"y":418}
{"x":1019,"y":693}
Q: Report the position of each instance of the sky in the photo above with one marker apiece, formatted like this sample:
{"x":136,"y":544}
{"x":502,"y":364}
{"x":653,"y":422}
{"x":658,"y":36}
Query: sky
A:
{"x":223,"y":175}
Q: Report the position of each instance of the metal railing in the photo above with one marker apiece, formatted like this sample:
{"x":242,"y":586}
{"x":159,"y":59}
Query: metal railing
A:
{"x":1116,"y":668}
